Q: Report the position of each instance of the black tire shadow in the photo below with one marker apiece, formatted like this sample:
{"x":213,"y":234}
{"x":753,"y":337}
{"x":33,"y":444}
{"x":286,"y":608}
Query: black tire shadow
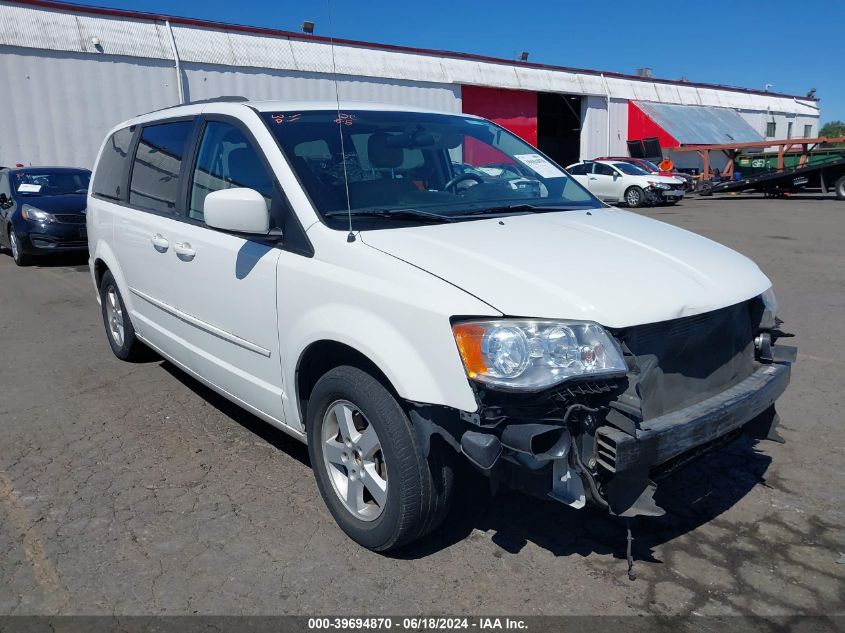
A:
{"x":266,"y":431}
{"x":691,"y":497}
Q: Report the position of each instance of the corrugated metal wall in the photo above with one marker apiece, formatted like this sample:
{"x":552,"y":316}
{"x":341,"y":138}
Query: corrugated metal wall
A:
{"x":60,"y":105}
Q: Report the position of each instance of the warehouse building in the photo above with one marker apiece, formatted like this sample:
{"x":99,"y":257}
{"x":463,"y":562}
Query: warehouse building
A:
{"x":70,"y":73}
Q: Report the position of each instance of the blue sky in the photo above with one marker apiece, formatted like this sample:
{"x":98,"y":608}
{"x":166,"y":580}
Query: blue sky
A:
{"x":792,"y":45}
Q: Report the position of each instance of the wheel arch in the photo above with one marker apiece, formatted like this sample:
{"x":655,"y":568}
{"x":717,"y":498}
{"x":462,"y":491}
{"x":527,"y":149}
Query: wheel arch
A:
{"x":324,"y":355}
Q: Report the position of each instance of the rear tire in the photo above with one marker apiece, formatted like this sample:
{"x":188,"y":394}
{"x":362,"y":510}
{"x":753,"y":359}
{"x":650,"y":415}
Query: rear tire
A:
{"x":370,"y":469}
{"x":119,"y":329}
{"x":20,"y":258}
{"x":839,"y":188}
{"x":634,"y":197}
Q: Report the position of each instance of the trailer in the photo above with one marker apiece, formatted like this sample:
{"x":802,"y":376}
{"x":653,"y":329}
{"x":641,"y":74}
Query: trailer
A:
{"x":828,"y":176}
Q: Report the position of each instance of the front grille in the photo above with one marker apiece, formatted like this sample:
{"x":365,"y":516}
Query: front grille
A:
{"x":681,"y":362}
{"x":67,"y":218}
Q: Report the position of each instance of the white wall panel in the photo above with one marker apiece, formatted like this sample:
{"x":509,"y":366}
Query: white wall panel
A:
{"x":205,"y":81}
{"x":64,"y":103}
{"x":594,"y":128}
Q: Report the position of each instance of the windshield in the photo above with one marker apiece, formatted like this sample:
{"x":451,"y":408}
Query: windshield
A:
{"x":447,"y":166}
{"x":50,"y":183}
{"x":650,"y":166}
{"x":630,"y":169}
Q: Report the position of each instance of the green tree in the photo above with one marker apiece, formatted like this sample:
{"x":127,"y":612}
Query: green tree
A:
{"x":832,"y":129}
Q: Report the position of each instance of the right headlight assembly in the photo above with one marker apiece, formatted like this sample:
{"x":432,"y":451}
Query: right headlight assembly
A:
{"x":528,"y":354}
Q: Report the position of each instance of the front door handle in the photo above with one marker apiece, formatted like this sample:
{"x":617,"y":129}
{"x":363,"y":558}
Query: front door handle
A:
{"x":184,"y":251}
{"x":160,"y":243}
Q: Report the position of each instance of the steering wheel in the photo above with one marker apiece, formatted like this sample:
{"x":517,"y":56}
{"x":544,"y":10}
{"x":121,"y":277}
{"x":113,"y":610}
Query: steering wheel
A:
{"x":452,"y":184}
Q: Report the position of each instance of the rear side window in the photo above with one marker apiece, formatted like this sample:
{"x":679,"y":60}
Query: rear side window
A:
{"x":578,"y":170}
{"x":111,"y":170}
{"x":226,"y":159}
{"x":158,"y":159}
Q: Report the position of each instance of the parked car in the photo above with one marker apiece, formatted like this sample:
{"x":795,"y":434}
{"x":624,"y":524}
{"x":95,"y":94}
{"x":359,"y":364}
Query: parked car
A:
{"x":340,"y":273}
{"x":616,"y":181}
{"x":42,"y":211}
{"x":650,"y":167}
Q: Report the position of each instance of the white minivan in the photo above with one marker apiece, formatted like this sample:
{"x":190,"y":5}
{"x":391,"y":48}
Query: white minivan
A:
{"x":406,"y":290}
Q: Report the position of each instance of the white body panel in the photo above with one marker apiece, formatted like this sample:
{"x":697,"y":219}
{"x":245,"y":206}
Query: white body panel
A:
{"x":240,"y":315}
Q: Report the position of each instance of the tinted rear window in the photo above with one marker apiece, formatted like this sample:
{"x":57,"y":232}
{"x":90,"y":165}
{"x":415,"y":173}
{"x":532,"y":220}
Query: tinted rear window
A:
{"x":111,"y":170}
{"x":158,"y":159}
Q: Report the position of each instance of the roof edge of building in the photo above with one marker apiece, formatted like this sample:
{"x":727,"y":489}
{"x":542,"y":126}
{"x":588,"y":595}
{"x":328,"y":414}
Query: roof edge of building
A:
{"x":259,"y":30}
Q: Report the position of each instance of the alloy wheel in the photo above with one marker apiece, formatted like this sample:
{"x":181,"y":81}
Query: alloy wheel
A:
{"x":14,"y":245}
{"x":354,"y":460}
{"x":114,"y":316}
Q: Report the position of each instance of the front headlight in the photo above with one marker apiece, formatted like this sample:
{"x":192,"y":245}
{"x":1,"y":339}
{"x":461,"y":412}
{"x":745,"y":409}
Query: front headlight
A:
{"x":659,"y":185}
{"x":36,"y":215}
{"x":532,"y":354}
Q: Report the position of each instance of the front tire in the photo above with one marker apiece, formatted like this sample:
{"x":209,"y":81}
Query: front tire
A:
{"x":20,"y":258}
{"x":370,"y":469}
{"x":119,"y":329}
{"x":634,"y":197}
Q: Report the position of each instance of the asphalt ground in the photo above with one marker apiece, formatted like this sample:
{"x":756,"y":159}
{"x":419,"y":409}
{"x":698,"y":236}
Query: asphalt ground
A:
{"x":132,"y":489}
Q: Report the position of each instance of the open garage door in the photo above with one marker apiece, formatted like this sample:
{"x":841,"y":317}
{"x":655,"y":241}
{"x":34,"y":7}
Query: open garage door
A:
{"x":559,"y":127}
{"x":549,"y":121}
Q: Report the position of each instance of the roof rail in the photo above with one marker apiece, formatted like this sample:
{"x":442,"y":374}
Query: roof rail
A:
{"x":220,"y":99}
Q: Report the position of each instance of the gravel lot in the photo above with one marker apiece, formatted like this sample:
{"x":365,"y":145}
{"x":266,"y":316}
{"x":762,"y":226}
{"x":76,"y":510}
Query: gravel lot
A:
{"x":131,"y":489}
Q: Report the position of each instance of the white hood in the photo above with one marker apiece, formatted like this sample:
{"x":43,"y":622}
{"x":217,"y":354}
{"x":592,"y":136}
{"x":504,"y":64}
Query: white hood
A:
{"x":606,"y":265}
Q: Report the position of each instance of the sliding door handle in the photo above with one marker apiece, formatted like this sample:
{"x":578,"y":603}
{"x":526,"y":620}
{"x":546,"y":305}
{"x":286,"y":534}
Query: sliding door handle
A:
{"x":184,"y":251}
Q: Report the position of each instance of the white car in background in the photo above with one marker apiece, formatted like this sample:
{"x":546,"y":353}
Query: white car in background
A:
{"x":617,"y":181}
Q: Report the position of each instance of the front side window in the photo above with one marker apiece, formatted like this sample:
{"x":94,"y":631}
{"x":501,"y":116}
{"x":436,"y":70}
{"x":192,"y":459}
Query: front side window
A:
{"x":111,"y":169}
{"x":603,"y":170}
{"x":158,"y":159}
{"x":442,"y":166}
{"x":226,"y":159}
{"x":630,"y":169}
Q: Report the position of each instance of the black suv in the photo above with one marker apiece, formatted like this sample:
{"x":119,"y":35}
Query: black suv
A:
{"x":42,"y":211}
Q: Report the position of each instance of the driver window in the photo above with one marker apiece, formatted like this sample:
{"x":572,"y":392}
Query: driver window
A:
{"x":226,"y":160}
{"x":603,"y":170}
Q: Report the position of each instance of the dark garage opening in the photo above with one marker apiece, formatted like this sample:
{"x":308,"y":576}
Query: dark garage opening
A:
{"x":559,"y":127}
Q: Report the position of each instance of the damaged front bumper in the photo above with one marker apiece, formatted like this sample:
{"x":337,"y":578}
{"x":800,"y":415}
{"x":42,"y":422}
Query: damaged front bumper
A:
{"x":578,"y":457}
{"x":667,"y":442}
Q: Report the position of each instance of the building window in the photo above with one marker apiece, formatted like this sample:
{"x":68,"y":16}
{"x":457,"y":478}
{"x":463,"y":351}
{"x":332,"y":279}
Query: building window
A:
{"x":771,"y":128}
{"x":808,"y":131}
{"x":789,"y":129}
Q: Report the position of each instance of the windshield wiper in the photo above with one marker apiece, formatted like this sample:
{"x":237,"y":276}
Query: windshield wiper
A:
{"x":396,"y":214}
{"x":531,"y":208}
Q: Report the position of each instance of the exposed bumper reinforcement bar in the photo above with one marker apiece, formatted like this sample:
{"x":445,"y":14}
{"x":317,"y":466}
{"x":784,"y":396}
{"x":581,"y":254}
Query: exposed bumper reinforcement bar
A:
{"x":672,"y":434}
